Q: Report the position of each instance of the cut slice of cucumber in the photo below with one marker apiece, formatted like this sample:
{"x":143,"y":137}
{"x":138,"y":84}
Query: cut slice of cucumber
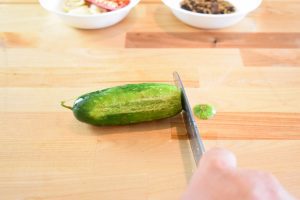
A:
{"x":72,"y":4}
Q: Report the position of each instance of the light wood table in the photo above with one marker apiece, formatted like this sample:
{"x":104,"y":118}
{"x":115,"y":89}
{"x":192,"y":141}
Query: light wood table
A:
{"x":249,"y":72}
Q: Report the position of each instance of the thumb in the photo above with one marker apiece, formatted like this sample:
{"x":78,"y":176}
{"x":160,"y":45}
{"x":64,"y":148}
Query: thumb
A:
{"x":221,"y":159}
{"x":213,"y":164}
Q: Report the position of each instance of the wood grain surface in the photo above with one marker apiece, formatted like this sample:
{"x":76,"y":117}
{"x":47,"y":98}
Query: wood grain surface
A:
{"x":249,"y":72}
{"x":211,"y":39}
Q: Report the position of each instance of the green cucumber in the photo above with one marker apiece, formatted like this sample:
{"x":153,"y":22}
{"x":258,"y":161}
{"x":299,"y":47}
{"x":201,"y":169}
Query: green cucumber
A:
{"x":128,"y":104}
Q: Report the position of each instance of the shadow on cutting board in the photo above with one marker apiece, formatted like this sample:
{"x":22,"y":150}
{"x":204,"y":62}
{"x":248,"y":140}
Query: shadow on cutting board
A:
{"x":171,"y":126}
{"x":178,"y":131}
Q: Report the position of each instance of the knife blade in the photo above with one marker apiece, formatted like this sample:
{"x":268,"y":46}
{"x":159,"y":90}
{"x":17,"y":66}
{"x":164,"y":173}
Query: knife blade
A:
{"x":196,"y":143}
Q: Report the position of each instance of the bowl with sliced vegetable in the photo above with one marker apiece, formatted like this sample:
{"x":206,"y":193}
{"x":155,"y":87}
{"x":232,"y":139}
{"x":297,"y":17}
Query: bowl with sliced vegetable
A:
{"x":211,"y":14}
{"x":90,"y":14}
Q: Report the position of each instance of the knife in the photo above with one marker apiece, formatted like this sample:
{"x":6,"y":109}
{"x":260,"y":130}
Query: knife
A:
{"x":190,"y":123}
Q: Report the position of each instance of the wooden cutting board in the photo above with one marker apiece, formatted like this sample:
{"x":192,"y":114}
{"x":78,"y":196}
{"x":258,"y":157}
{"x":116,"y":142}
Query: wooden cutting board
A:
{"x":249,"y":72}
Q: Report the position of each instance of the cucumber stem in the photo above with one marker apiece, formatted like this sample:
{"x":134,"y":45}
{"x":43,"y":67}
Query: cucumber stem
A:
{"x":65,"y":106}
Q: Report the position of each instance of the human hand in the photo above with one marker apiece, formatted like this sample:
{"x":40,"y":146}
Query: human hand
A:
{"x":217,"y":178}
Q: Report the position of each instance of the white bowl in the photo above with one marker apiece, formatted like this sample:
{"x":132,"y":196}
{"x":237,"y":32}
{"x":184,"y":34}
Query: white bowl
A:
{"x":212,"y":21}
{"x":94,"y":21}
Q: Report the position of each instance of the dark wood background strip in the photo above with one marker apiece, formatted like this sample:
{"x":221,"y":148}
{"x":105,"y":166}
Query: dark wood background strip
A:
{"x":246,"y":126}
{"x":211,"y":40}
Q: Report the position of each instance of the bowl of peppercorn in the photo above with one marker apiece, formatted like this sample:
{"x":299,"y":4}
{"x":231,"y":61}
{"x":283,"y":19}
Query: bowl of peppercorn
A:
{"x":211,"y":14}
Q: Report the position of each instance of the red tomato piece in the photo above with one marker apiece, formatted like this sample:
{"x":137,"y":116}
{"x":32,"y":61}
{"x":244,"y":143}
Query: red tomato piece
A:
{"x":110,"y":4}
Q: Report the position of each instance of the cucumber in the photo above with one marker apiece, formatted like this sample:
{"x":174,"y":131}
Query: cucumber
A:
{"x":128,"y":104}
